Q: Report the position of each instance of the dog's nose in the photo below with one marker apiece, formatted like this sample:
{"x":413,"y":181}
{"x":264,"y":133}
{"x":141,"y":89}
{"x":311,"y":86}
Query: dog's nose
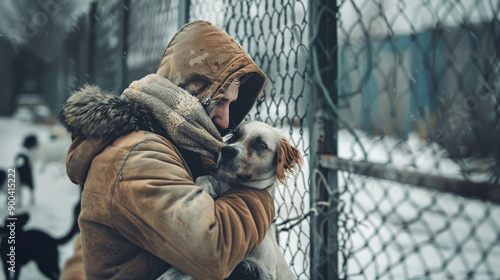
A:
{"x":228,"y":152}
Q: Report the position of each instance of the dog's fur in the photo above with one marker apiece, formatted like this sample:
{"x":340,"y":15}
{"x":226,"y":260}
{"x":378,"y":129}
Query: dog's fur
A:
{"x":258,"y":157}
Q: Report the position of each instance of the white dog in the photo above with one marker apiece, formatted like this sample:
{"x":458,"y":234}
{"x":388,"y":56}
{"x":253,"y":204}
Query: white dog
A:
{"x":258,"y":157}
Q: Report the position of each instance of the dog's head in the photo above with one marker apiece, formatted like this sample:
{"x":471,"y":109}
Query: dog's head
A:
{"x":257,"y":156}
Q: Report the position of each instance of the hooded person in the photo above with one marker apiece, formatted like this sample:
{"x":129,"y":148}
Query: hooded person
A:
{"x":138,"y":155}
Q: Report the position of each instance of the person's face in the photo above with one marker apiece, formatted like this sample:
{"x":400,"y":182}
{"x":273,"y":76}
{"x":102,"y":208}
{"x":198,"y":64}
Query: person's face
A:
{"x":220,"y":113}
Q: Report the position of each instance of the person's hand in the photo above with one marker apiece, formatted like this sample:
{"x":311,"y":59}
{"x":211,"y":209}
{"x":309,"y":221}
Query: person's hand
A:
{"x":209,"y":184}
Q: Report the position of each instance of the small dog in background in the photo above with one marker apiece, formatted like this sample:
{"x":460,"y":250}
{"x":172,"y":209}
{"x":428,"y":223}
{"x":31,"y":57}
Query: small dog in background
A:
{"x":258,"y":157}
{"x":24,"y":175}
{"x":29,"y":143}
{"x":48,"y":154}
{"x":3,"y":178}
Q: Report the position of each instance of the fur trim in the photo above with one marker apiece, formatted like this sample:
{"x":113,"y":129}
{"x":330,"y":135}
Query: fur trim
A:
{"x":90,"y":112}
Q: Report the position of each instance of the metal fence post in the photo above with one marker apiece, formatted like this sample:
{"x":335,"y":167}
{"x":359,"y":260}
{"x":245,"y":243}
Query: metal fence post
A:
{"x":324,"y":130}
{"x":91,"y":41}
{"x":184,"y":12}
{"x":125,"y":32}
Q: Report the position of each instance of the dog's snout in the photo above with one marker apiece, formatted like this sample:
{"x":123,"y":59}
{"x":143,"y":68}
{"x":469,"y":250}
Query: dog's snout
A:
{"x":228,"y":152}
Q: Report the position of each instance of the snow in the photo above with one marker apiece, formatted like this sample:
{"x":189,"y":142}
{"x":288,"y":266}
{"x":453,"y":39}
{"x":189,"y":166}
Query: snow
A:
{"x":55,"y":195}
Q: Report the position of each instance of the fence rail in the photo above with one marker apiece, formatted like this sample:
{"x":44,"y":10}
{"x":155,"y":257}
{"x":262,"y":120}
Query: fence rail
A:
{"x":479,"y":190}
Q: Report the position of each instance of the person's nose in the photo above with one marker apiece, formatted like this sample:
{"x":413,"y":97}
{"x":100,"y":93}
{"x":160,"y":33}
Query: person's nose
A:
{"x":220,"y":117}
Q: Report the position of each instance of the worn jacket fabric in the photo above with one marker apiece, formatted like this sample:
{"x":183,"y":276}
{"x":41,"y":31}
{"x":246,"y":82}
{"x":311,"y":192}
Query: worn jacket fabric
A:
{"x":141,"y":211}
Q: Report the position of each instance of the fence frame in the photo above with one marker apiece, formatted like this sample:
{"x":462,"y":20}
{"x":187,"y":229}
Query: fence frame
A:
{"x":475,"y":190}
{"x":323,"y":138}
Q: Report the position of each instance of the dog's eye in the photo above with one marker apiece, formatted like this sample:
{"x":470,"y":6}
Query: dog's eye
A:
{"x":262,"y":144}
{"x":231,"y":139}
{"x":259,"y":144}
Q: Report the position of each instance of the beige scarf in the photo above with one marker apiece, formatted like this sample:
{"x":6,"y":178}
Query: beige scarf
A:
{"x":180,"y":113}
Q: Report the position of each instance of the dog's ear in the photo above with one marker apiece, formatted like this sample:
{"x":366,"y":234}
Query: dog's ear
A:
{"x":289,"y":160}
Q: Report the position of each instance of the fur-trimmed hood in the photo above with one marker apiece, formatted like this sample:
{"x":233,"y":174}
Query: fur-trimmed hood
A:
{"x":95,"y":118}
{"x":90,"y":112}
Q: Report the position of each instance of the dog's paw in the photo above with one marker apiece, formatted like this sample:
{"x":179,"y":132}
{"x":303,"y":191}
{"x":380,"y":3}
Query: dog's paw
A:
{"x":209,"y":184}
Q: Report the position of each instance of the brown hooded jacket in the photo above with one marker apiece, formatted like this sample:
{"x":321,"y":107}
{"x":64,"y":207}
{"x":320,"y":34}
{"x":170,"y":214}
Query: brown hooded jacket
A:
{"x":141,"y":211}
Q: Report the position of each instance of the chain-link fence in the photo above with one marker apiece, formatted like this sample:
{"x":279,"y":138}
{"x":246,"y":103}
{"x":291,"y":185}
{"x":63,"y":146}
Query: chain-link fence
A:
{"x":410,"y":128}
{"x":394,"y":105}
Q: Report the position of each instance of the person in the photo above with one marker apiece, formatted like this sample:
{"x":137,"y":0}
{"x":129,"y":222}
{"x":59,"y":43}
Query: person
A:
{"x":138,"y":156}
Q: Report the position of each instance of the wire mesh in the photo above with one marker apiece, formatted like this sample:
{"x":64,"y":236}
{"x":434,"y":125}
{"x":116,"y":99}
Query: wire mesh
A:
{"x":107,"y":48}
{"x":397,"y":231}
{"x":152,"y":24}
{"x":417,"y":91}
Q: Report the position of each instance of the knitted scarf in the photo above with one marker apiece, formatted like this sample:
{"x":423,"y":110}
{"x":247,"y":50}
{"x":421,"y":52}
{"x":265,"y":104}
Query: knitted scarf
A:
{"x":181,"y":115}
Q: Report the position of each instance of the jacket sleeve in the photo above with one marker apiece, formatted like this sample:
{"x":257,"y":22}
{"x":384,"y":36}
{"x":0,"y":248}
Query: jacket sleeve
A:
{"x":156,"y":206}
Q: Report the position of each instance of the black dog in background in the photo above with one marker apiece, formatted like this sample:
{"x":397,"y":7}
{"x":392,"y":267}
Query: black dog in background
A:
{"x":30,"y":142}
{"x":34,"y":245}
{"x":25,"y":174}
{"x":22,"y":164}
{"x":3,"y":177}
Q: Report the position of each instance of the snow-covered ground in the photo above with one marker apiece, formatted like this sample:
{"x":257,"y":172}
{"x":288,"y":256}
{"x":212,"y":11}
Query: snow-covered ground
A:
{"x":407,"y":232}
{"x":55,"y":195}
